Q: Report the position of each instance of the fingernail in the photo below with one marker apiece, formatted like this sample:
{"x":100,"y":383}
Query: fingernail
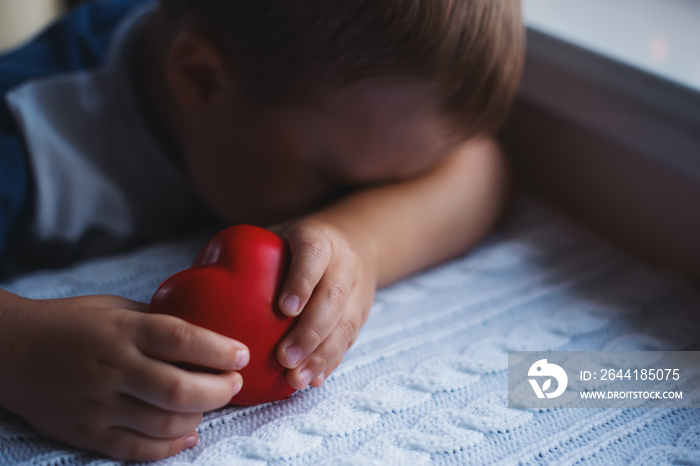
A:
{"x":294,"y":355}
{"x":237,"y":385}
{"x":191,"y":441}
{"x":242,"y":358}
{"x":291,"y":304}
{"x":305,"y":376}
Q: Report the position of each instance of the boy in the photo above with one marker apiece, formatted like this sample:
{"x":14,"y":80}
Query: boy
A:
{"x":355,"y":126}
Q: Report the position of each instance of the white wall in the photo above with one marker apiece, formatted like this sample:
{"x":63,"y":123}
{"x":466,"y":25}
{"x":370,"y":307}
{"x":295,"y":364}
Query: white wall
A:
{"x":20,"y":19}
{"x":659,"y":36}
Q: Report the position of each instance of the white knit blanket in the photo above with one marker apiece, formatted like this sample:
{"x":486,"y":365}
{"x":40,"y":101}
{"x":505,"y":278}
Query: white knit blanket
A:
{"x":426,"y":381}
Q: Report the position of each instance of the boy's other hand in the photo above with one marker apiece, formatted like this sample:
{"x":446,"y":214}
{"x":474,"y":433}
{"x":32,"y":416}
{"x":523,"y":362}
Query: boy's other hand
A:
{"x":334,"y":287}
{"x":94,"y":373}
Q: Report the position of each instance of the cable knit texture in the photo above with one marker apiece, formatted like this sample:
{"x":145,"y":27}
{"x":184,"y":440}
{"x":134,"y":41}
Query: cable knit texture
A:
{"x":426,"y":381}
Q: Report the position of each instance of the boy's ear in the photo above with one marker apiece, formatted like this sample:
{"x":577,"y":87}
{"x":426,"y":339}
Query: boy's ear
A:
{"x":197,"y":73}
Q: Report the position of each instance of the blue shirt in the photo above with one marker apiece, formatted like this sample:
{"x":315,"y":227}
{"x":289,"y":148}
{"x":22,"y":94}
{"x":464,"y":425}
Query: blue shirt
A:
{"x":77,"y":158}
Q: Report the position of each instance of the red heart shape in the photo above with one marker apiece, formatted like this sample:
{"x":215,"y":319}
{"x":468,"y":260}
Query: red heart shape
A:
{"x":232,"y":288}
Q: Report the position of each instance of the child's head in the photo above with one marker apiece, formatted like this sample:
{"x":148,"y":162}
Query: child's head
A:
{"x":467,"y":52}
{"x":412,"y":64}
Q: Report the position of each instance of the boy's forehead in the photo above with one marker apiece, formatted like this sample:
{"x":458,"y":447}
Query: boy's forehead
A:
{"x":395,"y":114}
{"x":370,"y":131}
{"x":380,"y":99}
{"x":384,"y":128}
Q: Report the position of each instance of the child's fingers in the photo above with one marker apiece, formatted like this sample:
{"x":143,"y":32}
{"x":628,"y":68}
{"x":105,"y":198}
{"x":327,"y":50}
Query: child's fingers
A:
{"x":318,"y":381}
{"x":311,"y":253}
{"x":152,"y":421}
{"x":321,"y":378}
{"x":171,"y":339}
{"x":125,"y":444}
{"x":174,"y":389}
{"x":108,"y":302}
{"x":316,"y":323}
{"x":326,"y":357}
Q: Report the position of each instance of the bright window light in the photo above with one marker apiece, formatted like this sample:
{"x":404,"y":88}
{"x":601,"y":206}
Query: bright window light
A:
{"x":658,"y":36}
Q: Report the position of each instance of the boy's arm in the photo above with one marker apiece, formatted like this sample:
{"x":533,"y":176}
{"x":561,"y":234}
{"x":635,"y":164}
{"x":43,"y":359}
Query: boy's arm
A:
{"x":374,"y":237}
{"x":412,"y":225}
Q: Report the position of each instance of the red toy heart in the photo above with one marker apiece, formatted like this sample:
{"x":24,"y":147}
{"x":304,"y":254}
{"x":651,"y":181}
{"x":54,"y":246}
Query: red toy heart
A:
{"x":232,"y":288}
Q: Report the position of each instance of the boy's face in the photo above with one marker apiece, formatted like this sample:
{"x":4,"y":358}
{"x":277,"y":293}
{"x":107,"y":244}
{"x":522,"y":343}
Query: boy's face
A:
{"x":264,"y":165}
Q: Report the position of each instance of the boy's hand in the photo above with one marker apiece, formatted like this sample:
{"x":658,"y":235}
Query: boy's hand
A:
{"x":334,"y":286}
{"x":93,"y":373}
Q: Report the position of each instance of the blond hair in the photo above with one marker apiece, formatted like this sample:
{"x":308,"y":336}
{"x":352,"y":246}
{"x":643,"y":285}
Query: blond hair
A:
{"x":469,"y":53}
